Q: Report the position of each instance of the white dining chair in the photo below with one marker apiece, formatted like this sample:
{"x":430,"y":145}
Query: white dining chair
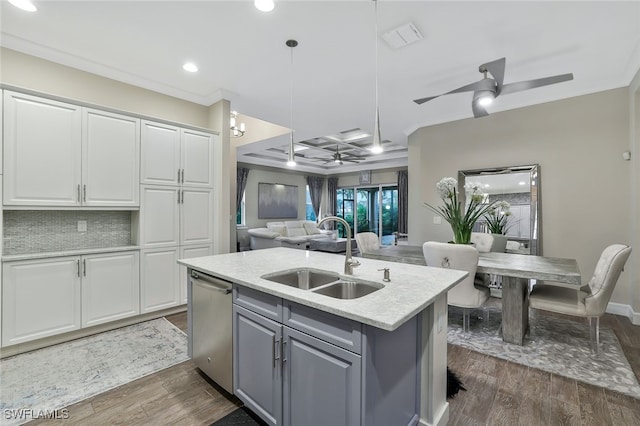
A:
{"x":462,"y":257}
{"x":589,"y":301}
{"x":483,"y":243}
{"x":367,"y":242}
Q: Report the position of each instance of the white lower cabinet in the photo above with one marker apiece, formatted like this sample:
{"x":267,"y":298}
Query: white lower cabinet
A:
{"x":40,"y":298}
{"x":187,"y":252}
{"x":110,"y":287}
{"x":45,"y":297}
{"x":159,"y":279}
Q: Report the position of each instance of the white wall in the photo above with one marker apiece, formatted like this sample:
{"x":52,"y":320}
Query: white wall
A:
{"x":578,"y":143}
{"x":634,"y":147}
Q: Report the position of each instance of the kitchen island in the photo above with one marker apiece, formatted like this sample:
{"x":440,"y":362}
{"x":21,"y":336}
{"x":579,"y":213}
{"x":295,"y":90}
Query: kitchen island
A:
{"x":358,"y":351}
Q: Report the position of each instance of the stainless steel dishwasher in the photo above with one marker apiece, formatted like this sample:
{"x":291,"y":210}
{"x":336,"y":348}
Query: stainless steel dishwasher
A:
{"x":213,"y":328}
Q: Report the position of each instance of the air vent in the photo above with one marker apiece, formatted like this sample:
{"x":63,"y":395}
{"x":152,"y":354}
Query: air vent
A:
{"x":402,"y":36}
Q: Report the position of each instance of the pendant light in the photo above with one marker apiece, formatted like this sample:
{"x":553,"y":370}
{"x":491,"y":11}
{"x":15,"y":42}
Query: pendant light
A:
{"x":291,"y":162}
{"x":376,"y":148}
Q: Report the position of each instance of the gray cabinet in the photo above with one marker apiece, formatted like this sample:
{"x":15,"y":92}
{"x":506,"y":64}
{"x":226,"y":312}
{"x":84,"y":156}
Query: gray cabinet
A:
{"x":257,"y":366}
{"x":321,"y":382}
{"x":295,"y":365}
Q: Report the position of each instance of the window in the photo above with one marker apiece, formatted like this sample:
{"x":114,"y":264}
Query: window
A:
{"x":240,"y":213}
{"x":310,"y":214}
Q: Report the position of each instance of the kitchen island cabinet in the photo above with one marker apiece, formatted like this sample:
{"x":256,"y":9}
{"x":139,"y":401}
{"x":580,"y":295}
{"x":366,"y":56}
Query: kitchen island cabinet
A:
{"x":301,"y":356}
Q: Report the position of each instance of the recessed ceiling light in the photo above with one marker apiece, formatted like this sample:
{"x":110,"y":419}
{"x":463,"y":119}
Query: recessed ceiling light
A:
{"x":522,"y":183}
{"x":264,"y":5}
{"x":486,"y":185}
{"x":190,"y":66}
{"x":24,"y":5}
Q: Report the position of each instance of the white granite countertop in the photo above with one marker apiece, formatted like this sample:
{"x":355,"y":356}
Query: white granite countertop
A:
{"x":412,"y":287}
{"x":74,"y":252}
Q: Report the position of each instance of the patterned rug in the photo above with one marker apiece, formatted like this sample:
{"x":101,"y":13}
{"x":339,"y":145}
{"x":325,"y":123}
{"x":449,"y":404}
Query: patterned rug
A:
{"x":558,"y":346}
{"x":44,"y":381}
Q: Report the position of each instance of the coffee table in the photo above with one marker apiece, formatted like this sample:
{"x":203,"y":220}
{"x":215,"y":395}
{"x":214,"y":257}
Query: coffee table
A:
{"x":339,"y":245}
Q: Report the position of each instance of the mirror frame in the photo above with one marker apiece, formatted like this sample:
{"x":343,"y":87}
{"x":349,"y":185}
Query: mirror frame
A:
{"x":535,"y":225}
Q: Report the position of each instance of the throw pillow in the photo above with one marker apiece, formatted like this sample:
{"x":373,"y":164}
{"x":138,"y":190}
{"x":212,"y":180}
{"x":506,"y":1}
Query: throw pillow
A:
{"x":311,"y":228}
{"x":296,"y":232}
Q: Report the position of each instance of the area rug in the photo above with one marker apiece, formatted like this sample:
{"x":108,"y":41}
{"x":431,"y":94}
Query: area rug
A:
{"x":240,"y":417}
{"x":558,"y":346}
{"x":48,"y":379}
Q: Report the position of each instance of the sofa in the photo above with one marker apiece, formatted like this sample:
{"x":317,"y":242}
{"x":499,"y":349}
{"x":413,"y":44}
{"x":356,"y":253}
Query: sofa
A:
{"x":290,"y":233}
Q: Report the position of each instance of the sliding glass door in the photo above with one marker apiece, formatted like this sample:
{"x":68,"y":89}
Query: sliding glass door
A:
{"x":369,"y":209}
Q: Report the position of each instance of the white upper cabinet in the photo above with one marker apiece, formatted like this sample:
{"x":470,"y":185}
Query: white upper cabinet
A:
{"x":42,"y":151}
{"x":175,"y":156}
{"x":160,"y":216}
{"x":160,"y":163}
{"x":110,"y":154}
{"x":59,"y":154}
{"x":197,"y":158}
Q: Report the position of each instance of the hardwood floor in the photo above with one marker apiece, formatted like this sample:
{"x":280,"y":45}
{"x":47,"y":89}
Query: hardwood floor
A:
{"x":498,"y":393}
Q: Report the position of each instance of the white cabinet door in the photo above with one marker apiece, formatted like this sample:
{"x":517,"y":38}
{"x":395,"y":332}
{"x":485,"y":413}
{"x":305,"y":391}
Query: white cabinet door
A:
{"x":159,"y":279}
{"x":42,"y":157}
{"x":196,"y":216}
{"x":159,"y":216}
{"x":110,"y":287}
{"x":160,"y":158}
{"x":111,"y":155}
{"x":40,"y":298}
{"x":187,"y":252}
{"x":197,"y":158}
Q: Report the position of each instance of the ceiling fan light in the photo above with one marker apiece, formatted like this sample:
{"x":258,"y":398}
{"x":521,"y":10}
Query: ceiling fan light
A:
{"x":485,"y":100}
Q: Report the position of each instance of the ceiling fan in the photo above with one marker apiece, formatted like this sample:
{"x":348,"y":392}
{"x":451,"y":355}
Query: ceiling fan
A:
{"x":487,"y":89}
{"x":339,"y":158}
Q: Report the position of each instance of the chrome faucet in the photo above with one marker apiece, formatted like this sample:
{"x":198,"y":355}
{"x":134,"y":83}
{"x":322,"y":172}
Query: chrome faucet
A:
{"x":349,"y":261}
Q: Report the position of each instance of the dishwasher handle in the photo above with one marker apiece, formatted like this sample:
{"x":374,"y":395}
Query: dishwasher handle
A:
{"x":212,"y":283}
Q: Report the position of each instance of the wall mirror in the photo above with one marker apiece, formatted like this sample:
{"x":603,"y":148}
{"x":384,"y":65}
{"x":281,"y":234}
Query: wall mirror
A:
{"x":520,"y":187}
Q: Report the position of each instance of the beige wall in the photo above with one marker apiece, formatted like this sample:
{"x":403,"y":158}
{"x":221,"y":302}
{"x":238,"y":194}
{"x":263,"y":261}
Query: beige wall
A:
{"x":37,"y":74}
{"x":578,"y":143}
{"x":271,"y":176}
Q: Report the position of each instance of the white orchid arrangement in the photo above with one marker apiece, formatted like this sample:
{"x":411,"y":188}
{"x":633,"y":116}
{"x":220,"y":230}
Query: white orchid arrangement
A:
{"x":461,"y":221}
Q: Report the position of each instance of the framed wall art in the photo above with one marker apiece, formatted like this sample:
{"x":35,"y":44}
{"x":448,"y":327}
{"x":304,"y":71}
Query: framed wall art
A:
{"x":277,"y":201}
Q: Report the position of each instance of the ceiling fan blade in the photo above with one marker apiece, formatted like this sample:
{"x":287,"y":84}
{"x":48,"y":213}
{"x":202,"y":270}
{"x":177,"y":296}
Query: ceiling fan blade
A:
{"x":532,"y":84}
{"x":484,"y":84}
{"x":496,"y":68}
{"x":478,"y":110}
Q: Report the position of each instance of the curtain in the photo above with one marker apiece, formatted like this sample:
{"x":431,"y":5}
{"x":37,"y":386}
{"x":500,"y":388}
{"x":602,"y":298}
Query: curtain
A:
{"x":403,"y":201}
{"x":332,"y":187}
{"x":315,"y":191}
{"x":243,"y":173}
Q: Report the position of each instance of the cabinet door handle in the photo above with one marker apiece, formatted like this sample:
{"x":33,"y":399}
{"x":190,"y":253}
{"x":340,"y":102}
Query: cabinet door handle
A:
{"x":78,"y":267}
{"x":284,"y":351}
{"x":276,"y":343}
{"x":84,"y":193}
{"x":79,"y":199}
{"x":182,"y":176}
{"x":84,"y":267}
{"x":180,"y":197}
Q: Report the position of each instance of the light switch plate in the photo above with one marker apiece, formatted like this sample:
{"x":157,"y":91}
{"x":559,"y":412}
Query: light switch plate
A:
{"x":82,"y":226}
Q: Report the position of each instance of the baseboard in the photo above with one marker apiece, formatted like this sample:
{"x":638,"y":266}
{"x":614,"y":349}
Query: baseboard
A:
{"x":625,"y":311}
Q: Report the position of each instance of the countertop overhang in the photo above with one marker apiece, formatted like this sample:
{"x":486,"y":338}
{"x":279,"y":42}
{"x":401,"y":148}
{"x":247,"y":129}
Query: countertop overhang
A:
{"x":412,"y":287}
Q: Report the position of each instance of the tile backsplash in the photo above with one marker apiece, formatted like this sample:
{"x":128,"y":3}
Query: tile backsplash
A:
{"x":34,"y":231}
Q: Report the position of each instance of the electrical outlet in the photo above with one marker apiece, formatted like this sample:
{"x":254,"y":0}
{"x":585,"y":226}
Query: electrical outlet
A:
{"x":82,"y":226}
{"x":437,"y":220}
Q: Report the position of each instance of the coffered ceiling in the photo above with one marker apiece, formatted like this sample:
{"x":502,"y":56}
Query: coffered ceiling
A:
{"x":242,"y":57}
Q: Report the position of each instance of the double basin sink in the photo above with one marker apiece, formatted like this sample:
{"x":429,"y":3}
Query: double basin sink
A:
{"x":323,"y":282}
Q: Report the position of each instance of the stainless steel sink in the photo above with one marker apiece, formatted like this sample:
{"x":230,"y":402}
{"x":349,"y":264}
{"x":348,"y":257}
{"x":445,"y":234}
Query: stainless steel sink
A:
{"x":347,"y":289}
{"x":303,"y":278}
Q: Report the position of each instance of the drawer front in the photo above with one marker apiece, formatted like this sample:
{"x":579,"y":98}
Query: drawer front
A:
{"x":261,"y":303}
{"x":342,"y":332}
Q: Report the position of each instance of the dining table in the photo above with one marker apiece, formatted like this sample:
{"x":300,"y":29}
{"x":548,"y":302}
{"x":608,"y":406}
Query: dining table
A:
{"x":516,"y":271}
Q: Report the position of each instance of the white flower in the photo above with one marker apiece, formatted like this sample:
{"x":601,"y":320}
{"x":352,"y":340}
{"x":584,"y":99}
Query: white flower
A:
{"x":446,"y":187}
{"x":473,"y":187}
